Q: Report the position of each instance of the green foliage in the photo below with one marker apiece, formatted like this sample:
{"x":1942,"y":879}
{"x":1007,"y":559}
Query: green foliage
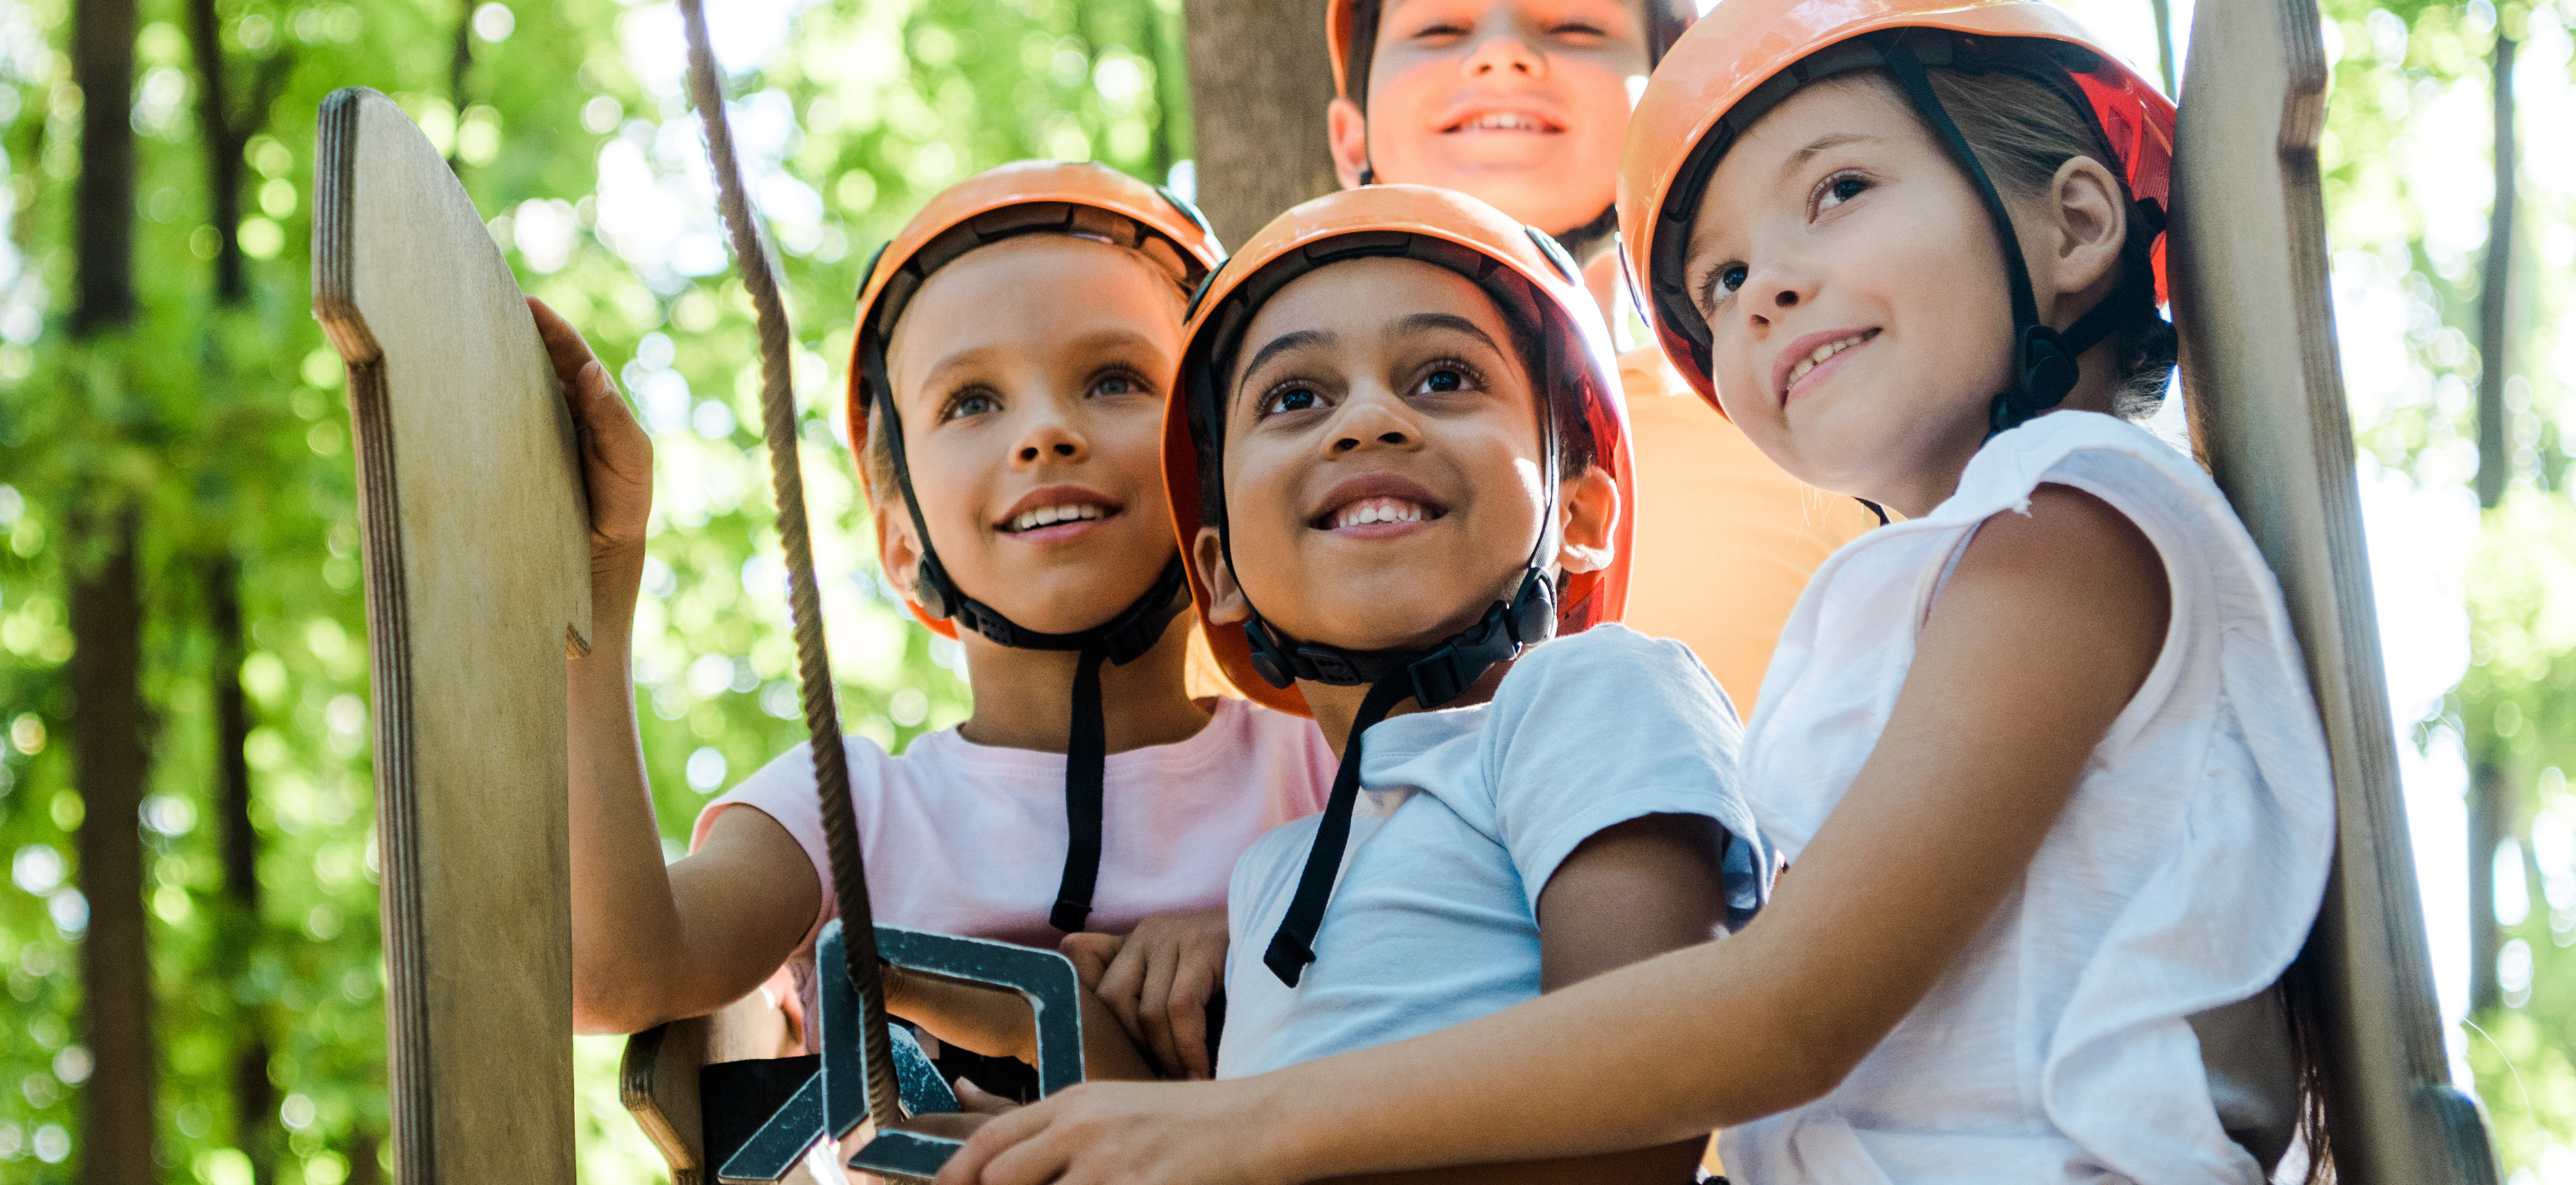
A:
{"x":226,"y":430}
{"x":2408,"y":187}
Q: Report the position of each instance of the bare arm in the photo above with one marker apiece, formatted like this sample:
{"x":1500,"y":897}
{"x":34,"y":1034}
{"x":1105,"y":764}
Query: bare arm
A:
{"x":1158,"y":980}
{"x":2045,"y":632}
{"x":649,"y":944}
{"x":998,"y":1023}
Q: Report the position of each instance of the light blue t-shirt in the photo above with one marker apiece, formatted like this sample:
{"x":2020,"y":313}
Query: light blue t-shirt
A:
{"x":1463,"y":815}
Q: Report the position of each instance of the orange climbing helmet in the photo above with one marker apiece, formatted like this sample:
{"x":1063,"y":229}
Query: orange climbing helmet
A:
{"x":1532,"y":281}
{"x":1745,"y":56}
{"x":1062,"y":197}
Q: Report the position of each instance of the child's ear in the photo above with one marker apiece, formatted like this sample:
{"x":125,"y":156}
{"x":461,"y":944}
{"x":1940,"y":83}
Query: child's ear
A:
{"x":2087,"y":220}
{"x":1226,"y":602}
{"x":900,"y":558}
{"x":1591,"y":514}
{"x":1347,"y":129}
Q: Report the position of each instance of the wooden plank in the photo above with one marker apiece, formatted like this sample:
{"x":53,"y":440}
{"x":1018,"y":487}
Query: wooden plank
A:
{"x":657,"y":1078}
{"x":2268,"y":418}
{"x":477,"y":580}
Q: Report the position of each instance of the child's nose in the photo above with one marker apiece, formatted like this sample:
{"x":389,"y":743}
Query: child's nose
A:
{"x":1371,"y":421}
{"x":1051,"y":444}
{"x":1504,"y":51}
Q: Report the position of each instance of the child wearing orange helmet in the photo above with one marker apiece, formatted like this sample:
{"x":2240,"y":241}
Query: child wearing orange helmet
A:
{"x":1398,"y":464}
{"x":1524,"y":103}
{"x":2043,"y":756}
{"x":1008,"y":442}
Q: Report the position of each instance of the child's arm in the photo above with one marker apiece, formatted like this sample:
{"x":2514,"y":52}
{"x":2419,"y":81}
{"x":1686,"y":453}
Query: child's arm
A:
{"x":650,"y":944}
{"x":998,"y":1023}
{"x":2044,"y":633}
{"x":1158,"y":979}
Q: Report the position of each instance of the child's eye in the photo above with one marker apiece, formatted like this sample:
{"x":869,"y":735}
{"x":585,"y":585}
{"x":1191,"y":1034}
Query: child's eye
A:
{"x":1289,"y":399}
{"x":1119,"y":384}
{"x":970,"y":403}
{"x":1721,"y":282}
{"x":1443,"y":380}
{"x":1838,"y":190}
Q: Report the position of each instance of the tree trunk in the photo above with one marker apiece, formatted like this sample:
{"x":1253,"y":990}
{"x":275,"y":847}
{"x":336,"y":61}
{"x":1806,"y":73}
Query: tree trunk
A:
{"x":254,"y":1096}
{"x":107,"y":729}
{"x":1259,"y":82}
{"x":459,"y":62}
{"x":2495,"y":447}
{"x":2490,"y":821}
{"x":107,"y":637}
{"x":223,"y":153}
{"x":103,"y":63}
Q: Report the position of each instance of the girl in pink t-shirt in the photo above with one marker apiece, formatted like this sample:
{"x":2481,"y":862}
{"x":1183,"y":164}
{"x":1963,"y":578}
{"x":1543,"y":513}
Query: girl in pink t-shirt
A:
{"x":1006,"y":401}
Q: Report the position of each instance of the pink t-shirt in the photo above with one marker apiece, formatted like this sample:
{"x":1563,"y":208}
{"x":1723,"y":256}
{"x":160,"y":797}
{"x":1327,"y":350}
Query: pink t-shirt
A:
{"x":962,"y":838}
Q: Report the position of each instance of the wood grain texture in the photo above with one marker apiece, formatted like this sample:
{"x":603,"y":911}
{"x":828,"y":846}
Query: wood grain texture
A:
{"x":1260,"y":79}
{"x":477,"y":579}
{"x":2268,"y":418}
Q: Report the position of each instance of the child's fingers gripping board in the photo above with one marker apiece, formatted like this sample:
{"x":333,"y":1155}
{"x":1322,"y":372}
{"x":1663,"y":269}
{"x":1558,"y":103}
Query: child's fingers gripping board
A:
{"x":477,"y":581}
{"x":2268,"y":419}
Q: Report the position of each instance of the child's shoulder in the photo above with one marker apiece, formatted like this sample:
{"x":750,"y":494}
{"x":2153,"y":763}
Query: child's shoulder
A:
{"x":2132,"y":468}
{"x":1611,"y":677}
{"x":1609,"y":656}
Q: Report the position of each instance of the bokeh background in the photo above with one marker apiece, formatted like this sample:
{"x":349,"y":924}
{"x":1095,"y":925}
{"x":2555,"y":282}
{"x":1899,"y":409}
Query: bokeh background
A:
{"x":175,"y":470}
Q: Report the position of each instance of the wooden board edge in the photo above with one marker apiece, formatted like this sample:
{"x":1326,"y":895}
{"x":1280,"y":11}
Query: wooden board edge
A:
{"x":388,"y":630}
{"x":397,"y":790}
{"x":335,"y":209}
{"x":639,"y":1070}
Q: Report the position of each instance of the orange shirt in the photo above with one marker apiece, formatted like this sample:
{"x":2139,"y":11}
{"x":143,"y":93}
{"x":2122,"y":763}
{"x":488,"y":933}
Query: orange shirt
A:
{"x":1724,"y":539}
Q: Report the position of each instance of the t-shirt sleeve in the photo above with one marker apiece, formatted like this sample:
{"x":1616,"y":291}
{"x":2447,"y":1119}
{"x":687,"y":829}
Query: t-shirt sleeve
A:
{"x":784,"y":791}
{"x":1607,"y":726}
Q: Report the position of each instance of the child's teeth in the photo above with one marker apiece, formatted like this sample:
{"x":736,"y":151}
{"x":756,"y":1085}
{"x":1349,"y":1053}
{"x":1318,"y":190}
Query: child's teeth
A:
{"x":1047,"y":516}
{"x":1378,"y":510}
{"x":1820,"y":353}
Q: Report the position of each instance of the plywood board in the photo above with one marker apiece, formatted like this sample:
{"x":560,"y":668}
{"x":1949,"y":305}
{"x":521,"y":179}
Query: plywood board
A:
{"x":477,"y":580}
{"x":2268,"y":418}
{"x":657,"y":1079}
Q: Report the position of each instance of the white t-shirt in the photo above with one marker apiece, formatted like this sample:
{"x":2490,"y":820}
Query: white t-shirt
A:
{"x":1463,"y":815}
{"x":2182,"y":875}
{"x":962,"y":838}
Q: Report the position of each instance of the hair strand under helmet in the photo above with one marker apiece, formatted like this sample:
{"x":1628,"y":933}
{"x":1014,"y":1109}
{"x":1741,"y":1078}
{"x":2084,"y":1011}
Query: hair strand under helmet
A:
{"x":1537,"y":288}
{"x":1029,"y":197}
{"x":1746,"y":56}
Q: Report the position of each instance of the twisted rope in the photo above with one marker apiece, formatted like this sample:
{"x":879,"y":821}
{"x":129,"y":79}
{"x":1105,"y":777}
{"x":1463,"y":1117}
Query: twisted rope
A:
{"x":804,"y":597}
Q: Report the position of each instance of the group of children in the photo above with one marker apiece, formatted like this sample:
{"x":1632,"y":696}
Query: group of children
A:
{"x":1475,"y":881}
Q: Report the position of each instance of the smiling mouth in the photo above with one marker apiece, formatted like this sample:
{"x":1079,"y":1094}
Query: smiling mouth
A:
{"x":1820,"y":354}
{"x":1501,"y":121}
{"x":1372,"y":511}
{"x":1048,"y":516}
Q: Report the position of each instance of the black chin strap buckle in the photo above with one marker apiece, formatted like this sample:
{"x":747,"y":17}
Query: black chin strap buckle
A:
{"x":1436,"y":676}
{"x":2046,"y":370}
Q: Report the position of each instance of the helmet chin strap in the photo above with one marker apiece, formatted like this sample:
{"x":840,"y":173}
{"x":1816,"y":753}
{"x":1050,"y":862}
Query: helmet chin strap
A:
{"x":2046,"y":362}
{"x":1429,"y":677}
{"x":1122,"y":639}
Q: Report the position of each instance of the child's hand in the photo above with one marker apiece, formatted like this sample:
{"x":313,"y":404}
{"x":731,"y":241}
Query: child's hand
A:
{"x":616,"y":455}
{"x":1158,"y":981}
{"x":1130,"y":1133}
